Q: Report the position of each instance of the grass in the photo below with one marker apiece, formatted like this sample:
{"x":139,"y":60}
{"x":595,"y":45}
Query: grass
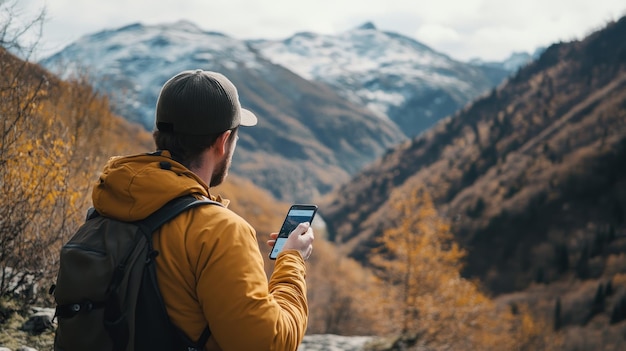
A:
{"x":12,"y":317}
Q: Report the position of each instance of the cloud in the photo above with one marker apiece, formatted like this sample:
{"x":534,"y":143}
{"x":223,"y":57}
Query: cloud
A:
{"x":490,"y":29}
{"x":437,"y":33}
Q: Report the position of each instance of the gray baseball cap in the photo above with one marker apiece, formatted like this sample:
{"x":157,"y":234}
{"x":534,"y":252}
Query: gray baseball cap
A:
{"x":198,"y":102}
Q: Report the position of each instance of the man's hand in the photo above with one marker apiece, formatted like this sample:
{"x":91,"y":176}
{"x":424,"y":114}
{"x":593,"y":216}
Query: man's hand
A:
{"x":300,"y":239}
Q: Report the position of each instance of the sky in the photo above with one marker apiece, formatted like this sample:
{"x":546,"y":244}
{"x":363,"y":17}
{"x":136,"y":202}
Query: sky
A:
{"x":463,"y":29}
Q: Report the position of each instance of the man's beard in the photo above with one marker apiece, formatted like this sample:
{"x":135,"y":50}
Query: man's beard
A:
{"x":221,"y":171}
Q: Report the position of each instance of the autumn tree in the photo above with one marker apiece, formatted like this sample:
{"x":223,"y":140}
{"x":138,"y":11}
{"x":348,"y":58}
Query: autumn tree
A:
{"x":48,"y":129}
{"x":418,"y":257}
{"x":420,"y":264}
{"x":21,"y":186}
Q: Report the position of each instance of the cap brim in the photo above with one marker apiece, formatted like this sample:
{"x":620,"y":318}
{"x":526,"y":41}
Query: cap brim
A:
{"x":248,"y":119}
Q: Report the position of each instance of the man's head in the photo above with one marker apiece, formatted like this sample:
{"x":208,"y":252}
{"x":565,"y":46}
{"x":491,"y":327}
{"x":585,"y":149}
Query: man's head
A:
{"x":194,"y":109}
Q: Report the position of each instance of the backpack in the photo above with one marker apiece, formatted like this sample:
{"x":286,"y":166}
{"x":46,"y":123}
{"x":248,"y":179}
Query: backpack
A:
{"x":106,"y":291}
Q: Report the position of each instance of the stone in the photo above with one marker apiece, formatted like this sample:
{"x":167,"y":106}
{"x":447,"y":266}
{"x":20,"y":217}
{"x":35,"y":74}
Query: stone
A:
{"x":39,"y":321}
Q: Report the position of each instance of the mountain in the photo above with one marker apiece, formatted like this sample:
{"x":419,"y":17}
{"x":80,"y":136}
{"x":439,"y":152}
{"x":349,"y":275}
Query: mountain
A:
{"x":308,"y":138}
{"x":532,"y":177}
{"x":329,"y":105}
{"x":512,"y":63}
{"x":393,"y":75}
{"x":517,"y":60}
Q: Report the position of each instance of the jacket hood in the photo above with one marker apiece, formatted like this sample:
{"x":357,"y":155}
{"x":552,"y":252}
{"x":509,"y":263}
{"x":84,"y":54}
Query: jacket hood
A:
{"x":132,"y":187}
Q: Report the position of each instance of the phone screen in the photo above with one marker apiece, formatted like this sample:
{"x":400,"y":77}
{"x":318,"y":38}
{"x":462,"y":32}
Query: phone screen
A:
{"x":297,"y":214}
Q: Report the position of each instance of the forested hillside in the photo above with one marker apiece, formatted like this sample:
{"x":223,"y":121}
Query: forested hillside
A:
{"x":533,"y":179}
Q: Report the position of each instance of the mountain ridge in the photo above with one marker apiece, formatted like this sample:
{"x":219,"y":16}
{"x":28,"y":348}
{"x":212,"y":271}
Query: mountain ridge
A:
{"x":310,"y":121}
{"x":291,"y":152}
{"x":393,"y":75}
{"x":529,"y":150}
{"x":532,"y":180}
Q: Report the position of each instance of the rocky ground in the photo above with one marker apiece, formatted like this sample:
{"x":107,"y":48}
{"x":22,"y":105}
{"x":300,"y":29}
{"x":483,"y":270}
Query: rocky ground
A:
{"x":30,"y":330}
{"x":327,"y":342}
{"x":33,"y":330}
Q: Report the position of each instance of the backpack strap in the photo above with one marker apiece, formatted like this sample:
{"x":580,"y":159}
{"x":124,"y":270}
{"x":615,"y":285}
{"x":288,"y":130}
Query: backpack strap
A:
{"x":153,"y":222}
{"x":204,"y":337}
{"x":170,"y":210}
{"x":165,"y":213}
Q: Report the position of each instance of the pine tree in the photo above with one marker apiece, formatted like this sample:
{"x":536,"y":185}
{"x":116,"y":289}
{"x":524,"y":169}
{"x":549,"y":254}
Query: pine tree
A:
{"x":608,"y":290}
{"x":561,"y":258}
{"x":557,"y":314}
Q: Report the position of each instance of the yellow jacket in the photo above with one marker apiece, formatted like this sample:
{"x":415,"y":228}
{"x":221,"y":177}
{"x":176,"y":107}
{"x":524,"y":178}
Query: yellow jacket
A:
{"x":209,"y":267}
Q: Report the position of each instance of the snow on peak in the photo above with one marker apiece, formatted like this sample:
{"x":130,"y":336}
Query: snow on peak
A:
{"x":381,"y":66}
{"x":387,"y":72}
{"x":134,"y":61}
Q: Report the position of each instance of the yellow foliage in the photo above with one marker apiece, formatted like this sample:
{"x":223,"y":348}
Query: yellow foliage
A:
{"x":420,"y":265}
{"x":54,"y":137}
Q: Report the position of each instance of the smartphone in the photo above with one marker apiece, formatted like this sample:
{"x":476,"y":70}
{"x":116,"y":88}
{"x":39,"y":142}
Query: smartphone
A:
{"x":297,"y":214}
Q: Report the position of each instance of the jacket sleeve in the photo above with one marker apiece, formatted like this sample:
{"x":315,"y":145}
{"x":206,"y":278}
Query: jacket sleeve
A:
{"x":244,"y":312}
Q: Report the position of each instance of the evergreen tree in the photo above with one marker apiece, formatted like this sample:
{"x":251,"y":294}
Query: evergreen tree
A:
{"x":557,"y":314}
{"x":608,"y":290}
{"x":598,"y":300}
{"x":619,"y":311}
{"x":582,"y":266}
{"x":561,"y":258}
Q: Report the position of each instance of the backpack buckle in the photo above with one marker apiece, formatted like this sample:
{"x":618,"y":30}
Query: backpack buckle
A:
{"x":72,"y":309}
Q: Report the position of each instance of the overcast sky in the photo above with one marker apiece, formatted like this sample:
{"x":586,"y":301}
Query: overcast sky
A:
{"x":463,"y":29}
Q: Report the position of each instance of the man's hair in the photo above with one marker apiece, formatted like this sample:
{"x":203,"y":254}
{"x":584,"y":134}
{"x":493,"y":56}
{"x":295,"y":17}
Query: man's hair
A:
{"x":186,"y":149}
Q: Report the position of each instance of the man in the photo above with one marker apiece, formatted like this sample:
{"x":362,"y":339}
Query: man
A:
{"x":209,"y":268}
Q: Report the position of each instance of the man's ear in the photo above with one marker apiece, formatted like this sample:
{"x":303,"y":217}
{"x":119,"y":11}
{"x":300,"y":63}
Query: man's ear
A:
{"x":221,"y":144}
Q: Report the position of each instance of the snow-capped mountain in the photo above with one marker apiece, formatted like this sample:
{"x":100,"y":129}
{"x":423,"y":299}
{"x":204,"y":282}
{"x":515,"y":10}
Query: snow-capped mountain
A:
{"x":511,"y":64}
{"x":308,"y":140}
{"x":392,"y":75}
{"x":331,"y":103}
{"x":132,"y":63}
